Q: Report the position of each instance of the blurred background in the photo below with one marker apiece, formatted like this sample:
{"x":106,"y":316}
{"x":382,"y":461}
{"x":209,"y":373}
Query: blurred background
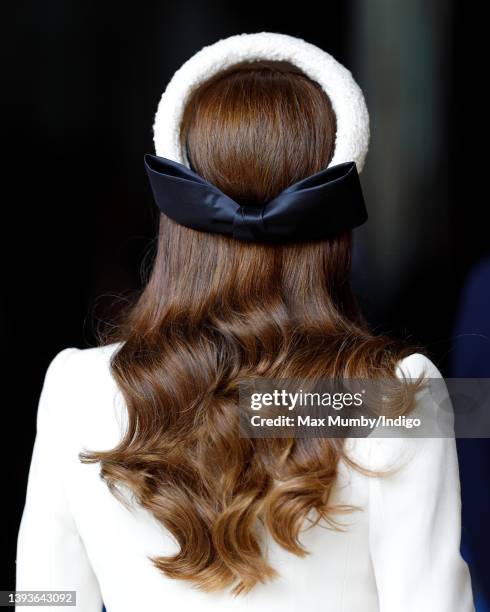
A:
{"x":81,"y":82}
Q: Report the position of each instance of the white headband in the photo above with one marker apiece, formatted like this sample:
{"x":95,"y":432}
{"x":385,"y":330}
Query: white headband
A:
{"x":352,"y":118}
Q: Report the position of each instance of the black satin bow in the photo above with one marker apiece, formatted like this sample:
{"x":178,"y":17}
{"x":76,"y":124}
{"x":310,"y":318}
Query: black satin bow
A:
{"x":315,"y":208}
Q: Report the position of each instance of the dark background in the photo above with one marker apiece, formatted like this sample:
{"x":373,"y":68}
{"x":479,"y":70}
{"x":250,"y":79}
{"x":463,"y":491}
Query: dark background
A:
{"x":80,"y":85}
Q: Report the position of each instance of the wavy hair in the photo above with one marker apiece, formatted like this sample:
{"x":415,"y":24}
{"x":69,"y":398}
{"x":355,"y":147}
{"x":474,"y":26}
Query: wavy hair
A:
{"x":216,"y":312}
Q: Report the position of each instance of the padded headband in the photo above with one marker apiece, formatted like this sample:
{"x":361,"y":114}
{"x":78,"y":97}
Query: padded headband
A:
{"x":315,"y":208}
{"x":352,"y":119}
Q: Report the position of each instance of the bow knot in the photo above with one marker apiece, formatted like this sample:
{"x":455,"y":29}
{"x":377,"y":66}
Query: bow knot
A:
{"x":248,"y":223}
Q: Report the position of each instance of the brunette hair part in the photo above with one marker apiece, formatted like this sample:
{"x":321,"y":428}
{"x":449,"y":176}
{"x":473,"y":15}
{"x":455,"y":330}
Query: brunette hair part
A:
{"x":217,"y":312}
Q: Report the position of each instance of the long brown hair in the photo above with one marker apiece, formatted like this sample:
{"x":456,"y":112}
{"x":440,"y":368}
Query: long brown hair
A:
{"x":216,"y":312}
